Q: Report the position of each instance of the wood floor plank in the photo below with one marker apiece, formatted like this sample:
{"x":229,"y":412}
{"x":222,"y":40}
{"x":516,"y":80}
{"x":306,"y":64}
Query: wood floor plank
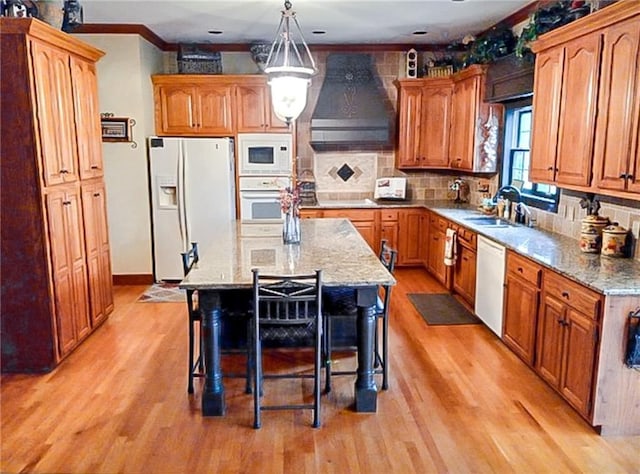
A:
{"x":459,"y":401}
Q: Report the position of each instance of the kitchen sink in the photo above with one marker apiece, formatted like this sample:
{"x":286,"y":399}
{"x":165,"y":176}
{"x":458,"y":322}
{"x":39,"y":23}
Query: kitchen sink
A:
{"x":488,"y":221}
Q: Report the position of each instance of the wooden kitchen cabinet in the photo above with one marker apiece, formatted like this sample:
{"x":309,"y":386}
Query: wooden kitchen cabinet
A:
{"x":464,"y":271}
{"x":617,"y":166}
{"x":522,"y":289}
{"x":410,"y":238}
{"x":435,"y":261}
{"x":389,"y":227}
{"x":88,"y":129}
{"x":192,"y":105}
{"x":54,"y":97}
{"x":567,"y":339}
{"x":50,"y":281}
{"x":253,"y":106}
{"x":585,"y":103}
{"x":467,"y":96}
{"x":94,"y":206}
{"x":425,"y":117}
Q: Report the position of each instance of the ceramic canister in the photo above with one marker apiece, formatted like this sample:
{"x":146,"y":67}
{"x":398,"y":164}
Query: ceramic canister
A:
{"x":614,"y":238}
{"x":591,"y":233}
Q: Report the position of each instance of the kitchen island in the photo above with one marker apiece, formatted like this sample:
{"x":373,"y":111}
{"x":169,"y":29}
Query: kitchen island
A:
{"x":332,"y":245}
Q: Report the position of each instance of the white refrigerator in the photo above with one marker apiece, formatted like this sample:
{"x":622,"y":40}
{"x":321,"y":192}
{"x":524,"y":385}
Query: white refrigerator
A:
{"x":192,"y":194}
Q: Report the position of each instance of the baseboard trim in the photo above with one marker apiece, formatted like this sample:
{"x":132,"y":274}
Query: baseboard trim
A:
{"x":140,"y":279}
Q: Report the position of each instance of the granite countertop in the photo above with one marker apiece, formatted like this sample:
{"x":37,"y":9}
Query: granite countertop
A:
{"x":333,"y":245}
{"x":606,"y":275}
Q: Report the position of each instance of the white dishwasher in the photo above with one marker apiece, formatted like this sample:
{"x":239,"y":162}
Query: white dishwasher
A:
{"x":490,"y":283}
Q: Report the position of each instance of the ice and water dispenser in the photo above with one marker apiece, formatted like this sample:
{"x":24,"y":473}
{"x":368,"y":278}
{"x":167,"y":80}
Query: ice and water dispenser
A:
{"x":167,"y":192}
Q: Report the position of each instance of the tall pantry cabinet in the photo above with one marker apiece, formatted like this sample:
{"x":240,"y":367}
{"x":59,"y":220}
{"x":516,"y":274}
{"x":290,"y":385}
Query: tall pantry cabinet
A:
{"x":56,"y":266}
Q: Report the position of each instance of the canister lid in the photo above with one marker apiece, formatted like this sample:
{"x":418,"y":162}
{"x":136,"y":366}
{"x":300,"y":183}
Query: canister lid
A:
{"x":614,"y":228}
{"x":595,"y":219}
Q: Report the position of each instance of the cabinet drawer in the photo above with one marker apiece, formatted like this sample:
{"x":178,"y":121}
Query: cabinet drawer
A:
{"x":354,"y":215}
{"x":388,"y":215}
{"x":524,"y":268}
{"x":573,"y":294}
{"x":310,"y":213}
{"x":438,"y":223}
{"x":467,"y":237}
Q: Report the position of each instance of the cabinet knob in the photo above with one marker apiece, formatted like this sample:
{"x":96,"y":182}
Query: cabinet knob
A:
{"x":520,"y":269}
{"x":64,"y":171}
{"x":96,"y":194}
{"x":66,"y":203}
{"x":565,"y":294}
{"x":630,"y":177}
{"x":550,"y":168}
{"x":95,"y":167}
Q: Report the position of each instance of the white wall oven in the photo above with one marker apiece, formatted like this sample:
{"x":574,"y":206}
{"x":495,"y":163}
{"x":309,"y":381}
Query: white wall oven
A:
{"x":260,"y":198}
{"x":265,"y":154}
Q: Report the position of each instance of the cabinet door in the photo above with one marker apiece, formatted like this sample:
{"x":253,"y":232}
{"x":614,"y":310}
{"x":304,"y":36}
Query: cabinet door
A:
{"x":251,"y":104}
{"x":87,"y":118}
{"x":64,"y":217}
{"x":579,"y":357}
{"x":435,"y":122}
{"x":368,"y":230}
{"x":97,"y":249}
{"x":466,"y":95}
{"x":464,"y":275}
{"x":409,"y":252}
{"x":214,"y":110}
{"x":389,"y":232}
{"x":549,"y":340}
{"x":55,"y":115}
{"x":615,"y":132}
{"x":578,"y":111}
{"x":520,"y":317}
{"x":410,"y":112}
{"x":177,"y":109}
{"x":437,"y":268}
{"x":546,"y":112}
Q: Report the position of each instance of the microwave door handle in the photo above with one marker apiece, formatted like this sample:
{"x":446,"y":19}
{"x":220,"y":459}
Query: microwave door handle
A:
{"x":181,"y":204}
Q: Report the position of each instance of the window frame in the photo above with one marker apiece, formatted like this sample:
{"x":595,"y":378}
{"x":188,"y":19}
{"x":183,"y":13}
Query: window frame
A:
{"x":533,"y":198}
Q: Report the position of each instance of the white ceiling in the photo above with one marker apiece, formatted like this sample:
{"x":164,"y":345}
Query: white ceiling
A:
{"x":345,"y":22}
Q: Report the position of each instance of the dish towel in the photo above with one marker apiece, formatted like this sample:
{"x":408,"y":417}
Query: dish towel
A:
{"x":450,"y":247}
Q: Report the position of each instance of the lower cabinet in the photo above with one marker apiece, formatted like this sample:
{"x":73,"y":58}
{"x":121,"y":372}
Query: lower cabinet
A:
{"x":435,"y":259}
{"x":464,"y":271}
{"x":410,"y":238}
{"x":367,"y":222}
{"x":522,"y":289}
{"x":567,"y":340}
{"x":389,"y":227}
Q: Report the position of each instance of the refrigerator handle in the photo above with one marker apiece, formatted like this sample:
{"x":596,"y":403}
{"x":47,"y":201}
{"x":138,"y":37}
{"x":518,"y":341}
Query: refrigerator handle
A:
{"x":181,"y":205}
{"x":185,"y":193}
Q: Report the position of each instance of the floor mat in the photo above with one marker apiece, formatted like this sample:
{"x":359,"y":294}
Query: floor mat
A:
{"x":441,"y":309}
{"x":163,"y":293}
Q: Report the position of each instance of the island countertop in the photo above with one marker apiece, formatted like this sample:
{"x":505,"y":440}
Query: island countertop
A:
{"x":333,"y":245}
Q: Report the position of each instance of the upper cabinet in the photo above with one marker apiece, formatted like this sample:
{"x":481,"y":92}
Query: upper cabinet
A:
{"x":187,"y":105}
{"x":253,"y":107}
{"x":425,"y":115}
{"x":444,"y":123}
{"x":586,"y":103}
{"x":210,"y":105}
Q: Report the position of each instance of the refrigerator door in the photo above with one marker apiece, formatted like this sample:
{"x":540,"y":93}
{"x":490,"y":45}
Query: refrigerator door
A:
{"x":193,"y":194}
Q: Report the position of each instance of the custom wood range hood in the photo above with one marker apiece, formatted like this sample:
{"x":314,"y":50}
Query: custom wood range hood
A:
{"x":351,"y":105}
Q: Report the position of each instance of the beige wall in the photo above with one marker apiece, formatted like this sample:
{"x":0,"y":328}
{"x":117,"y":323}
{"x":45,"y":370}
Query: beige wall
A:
{"x":125,"y":90}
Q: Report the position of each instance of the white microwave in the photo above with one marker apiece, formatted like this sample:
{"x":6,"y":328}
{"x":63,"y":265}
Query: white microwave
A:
{"x":265,"y":153}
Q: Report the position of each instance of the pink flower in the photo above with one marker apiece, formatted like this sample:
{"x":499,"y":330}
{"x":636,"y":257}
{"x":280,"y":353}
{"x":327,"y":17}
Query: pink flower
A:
{"x":290,"y":200}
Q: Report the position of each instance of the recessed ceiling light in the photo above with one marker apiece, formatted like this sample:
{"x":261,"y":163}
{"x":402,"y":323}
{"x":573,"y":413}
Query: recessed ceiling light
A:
{"x":319,"y":32}
{"x":214,"y":32}
{"x":419,"y":33}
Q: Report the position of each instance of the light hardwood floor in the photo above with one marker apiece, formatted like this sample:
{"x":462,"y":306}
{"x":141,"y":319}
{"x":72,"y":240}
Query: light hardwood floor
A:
{"x":459,"y":401}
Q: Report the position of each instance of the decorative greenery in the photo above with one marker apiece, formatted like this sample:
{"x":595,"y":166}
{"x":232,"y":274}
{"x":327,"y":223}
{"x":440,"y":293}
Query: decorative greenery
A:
{"x":547,"y":19}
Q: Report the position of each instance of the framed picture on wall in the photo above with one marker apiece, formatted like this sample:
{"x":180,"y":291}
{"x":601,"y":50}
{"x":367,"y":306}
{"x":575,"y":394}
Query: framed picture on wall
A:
{"x":116,"y":129}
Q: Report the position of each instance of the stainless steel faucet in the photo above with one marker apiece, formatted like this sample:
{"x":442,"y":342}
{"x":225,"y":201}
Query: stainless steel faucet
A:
{"x":509,"y":191}
{"x":523,"y":215}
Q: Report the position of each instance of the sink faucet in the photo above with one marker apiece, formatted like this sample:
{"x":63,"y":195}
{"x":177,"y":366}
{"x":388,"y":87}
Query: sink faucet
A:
{"x":523,"y":215}
{"x":509,"y":191}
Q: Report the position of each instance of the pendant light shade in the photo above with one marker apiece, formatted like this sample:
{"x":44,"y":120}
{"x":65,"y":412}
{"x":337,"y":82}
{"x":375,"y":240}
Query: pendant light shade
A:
{"x":289,"y":69}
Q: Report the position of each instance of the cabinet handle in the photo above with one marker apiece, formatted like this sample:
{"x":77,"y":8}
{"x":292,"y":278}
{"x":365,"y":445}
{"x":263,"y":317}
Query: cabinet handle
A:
{"x":630,"y":177}
{"x":520,"y":269}
{"x":561,"y":321}
{"x":623,"y":176}
{"x":565,"y":294}
{"x":96,"y":194}
{"x":66,"y":203}
{"x":63,"y":171}
{"x":550,"y":168}
{"x":95,"y":167}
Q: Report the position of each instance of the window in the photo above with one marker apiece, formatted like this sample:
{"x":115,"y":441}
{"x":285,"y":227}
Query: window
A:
{"x":517,"y":143}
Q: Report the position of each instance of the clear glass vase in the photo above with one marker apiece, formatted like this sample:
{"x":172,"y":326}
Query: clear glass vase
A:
{"x":291,"y":228}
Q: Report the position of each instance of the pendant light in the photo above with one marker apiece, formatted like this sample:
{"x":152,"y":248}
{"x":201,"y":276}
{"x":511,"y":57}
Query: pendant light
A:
{"x":289,"y":68}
